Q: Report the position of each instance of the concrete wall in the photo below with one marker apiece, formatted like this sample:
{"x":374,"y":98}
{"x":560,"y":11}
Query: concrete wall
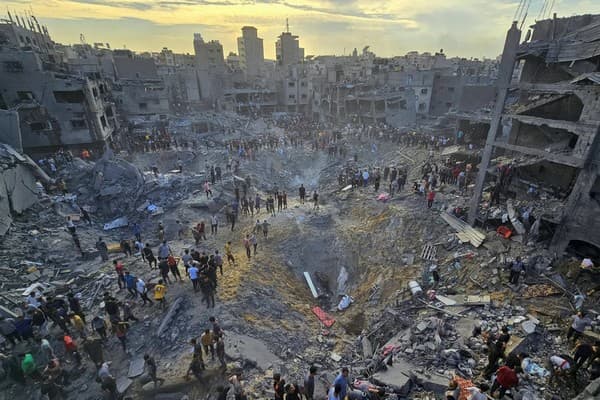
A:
{"x":10,"y":130}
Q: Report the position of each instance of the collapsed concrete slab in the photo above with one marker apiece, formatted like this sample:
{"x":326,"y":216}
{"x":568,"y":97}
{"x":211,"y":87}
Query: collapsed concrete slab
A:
{"x":404,"y":376}
{"x":18,"y":190}
{"x":242,"y":347}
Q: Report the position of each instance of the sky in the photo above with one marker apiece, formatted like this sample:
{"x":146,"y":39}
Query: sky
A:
{"x":466,"y":28}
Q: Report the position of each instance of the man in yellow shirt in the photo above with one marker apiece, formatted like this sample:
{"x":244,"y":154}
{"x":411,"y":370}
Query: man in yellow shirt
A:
{"x":78,"y":324}
{"x":159,"y":293}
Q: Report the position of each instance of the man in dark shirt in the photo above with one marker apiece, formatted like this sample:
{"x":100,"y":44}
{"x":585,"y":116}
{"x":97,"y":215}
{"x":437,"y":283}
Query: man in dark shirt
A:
{"x":309,"y":383}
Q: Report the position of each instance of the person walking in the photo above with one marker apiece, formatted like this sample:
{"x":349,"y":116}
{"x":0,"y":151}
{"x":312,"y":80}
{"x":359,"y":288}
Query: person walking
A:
{"x":207,"y":189}
{"x":150,"y":366}
{"x":265,"y":229}
{"x":430,"y":198}
{"x":214,"y":224}
{"x":160,"y":291}
{"x":208,"y":343}
{"x":102,"y":249}
{"x":247,"y":245}
{"x":193,"y":273}
{"x":220,"y":350}
{"x":302,"y":193}
{"x":254,"y":242}
{"x":309,"y":383}
{"x":315,"y":200}
{"x":516,"y":268}
{"x":149,"y":256}
{"x":229,"y":253}
{"x":173,"y":267}
{"x":142,"y":290}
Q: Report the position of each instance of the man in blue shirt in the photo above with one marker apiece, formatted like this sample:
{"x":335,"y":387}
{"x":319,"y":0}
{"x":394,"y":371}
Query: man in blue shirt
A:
{"x":342,"y":380}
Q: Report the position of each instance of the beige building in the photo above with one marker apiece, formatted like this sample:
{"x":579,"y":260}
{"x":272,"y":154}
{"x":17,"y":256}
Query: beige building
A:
{"x":251,"y":52}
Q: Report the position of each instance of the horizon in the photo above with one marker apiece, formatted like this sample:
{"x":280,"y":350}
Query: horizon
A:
{"x":462,"y":28}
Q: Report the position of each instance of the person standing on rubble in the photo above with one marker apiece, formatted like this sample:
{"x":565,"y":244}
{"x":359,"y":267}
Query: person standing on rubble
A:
{"x":164,"y":251}
{"x":229,"y":253}
{"x":137,"y":231}
{"x":207,"y":189}
{"x":214,"y":224}
{"x":120,"y":274}
{"x":160,"y":291}
{"x":316,"y":200}
{"x":85,"y":216}
{"x":163,"y":266}
{"x":516,"y":268}
{"x":71,"y":226}
{"x":149,"y":256}
{"x":430,"y":198}
{"x":506,"y":379}
{"x":150,"y":365}
{"x":208,"y":343}
{"x":161,"y":232}
{"x":302,"y":193}
{"x":102,"y":248}
{"x":142,"y":290}
{"x":257,"y":203}
{"x":580,"y":322}
{"x":342,"y":380}
{"x":309,"y":383}
{"x":247,"y":246}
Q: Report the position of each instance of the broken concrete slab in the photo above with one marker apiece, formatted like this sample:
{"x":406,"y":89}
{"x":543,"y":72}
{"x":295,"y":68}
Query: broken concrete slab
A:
{"x":166,"y":322}
{"x":123,"y":383}
{"x":136,"y":367}
{"x":242,"y":347}
{"x":404,"y":375}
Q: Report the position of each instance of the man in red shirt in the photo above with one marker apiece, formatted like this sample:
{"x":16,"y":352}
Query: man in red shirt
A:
{"x":506,"y":378}
{"x":120,"y":274}
{"x":430,"y":198}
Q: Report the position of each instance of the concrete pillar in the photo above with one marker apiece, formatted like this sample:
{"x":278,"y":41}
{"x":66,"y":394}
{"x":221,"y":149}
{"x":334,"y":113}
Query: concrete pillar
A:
{"x":507,"y":65}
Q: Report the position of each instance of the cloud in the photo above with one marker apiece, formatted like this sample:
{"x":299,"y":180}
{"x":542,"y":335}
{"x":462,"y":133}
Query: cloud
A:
{"x":136,"y":5}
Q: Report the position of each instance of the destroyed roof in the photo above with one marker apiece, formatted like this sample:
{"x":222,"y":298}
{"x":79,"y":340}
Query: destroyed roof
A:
{"x":593,"y":77}
{"x":135,"y":68}
{"x":581,"y":44}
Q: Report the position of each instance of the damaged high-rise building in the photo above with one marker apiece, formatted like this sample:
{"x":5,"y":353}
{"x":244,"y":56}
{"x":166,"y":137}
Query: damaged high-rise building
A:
{"x":56,"y":108}
{"x":546,"y":128}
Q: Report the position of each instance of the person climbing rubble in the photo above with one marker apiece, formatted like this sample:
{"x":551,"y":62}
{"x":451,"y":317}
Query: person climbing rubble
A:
{"x":102,"y":249}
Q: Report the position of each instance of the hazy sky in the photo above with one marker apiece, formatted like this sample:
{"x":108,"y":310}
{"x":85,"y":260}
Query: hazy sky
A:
{"x":470,"y":28}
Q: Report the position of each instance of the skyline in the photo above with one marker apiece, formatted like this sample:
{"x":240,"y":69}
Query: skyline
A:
{"x":464,"y":28}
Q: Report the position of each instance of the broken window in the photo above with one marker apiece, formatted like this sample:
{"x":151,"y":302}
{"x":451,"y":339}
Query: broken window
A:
{"x":3,"y":105}
{"x":422,"y":106}
{"x":143,"y":106}
{"x":451,"y":89}
{"x":25,"y":95}
{"x":109,"y":111}
{"x":291,"y":84}
{"x":557,"y":107}
{"x":39,"y":126}
{"x":424,"y":91}
{"x":103,"y":121}
{"x":13,"y":66}
{"x":78,"y":124}
{"x":95,"y":92}
{"x":69,"y":96}
{"x":292,"y":96}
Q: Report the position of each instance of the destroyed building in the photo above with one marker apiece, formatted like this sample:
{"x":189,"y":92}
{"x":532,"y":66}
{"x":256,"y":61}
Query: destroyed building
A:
{"x":549,"y":127}
{"x":56,"y":108}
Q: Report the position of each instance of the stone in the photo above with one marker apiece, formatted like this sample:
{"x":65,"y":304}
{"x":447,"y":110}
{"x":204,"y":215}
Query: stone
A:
{"x":136,"y":367}
{"x":528,"y":327}
{"x":422,"y":326}
{"x":335,"y":357}
{"x":123,"y":384}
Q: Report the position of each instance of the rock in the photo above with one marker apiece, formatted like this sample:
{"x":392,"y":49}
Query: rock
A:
{"x":335,"y":357}
{"x":528,"y":327}
{"x":123,"y":384}
{"x":422,"y":326}
{"x":136,"y":368}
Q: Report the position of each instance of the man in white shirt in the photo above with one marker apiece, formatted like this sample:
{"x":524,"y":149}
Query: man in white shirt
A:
{"x":140,"y":286}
